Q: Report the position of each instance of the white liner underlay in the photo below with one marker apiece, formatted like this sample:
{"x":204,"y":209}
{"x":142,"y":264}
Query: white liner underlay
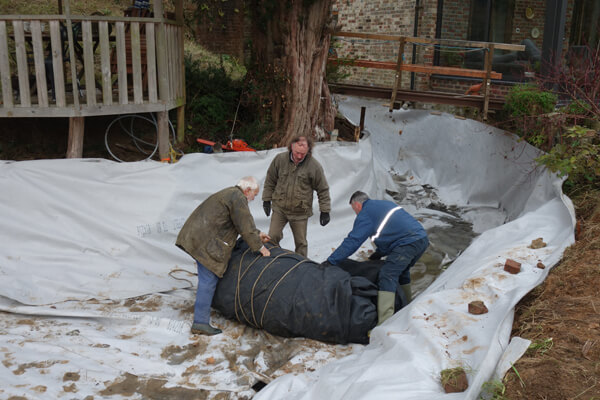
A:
{"x":87,"y":248}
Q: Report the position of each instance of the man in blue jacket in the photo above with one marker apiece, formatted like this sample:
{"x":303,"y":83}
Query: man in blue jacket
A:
{"x":396,"y":235}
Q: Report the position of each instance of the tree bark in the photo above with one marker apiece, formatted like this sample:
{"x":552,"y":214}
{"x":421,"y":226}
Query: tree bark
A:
{"x":292,"y":37}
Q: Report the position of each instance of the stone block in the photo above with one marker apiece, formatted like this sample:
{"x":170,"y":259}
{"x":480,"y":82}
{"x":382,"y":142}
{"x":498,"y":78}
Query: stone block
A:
{"x":477,"y":307}
{"x":512,"y":266}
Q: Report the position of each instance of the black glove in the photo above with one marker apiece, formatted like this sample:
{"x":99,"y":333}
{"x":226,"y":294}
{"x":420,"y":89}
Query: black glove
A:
{"x":324,"y":218}
{"x":375,"y":256}
{"x":267,"y":207}
{"x":326,"y":264}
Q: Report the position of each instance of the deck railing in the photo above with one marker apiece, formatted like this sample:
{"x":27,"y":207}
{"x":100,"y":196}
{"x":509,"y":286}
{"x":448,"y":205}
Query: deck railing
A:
{"x":54,"y":66}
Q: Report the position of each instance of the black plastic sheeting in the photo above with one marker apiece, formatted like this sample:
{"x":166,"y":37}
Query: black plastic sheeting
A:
{"x":291,"y":296}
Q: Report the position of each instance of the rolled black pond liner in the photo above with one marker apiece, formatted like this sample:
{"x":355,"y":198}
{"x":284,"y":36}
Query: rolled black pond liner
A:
{"x":289,"y":295}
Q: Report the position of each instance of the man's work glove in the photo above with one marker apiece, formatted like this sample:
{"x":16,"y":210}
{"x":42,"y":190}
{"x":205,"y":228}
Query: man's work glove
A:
{"x":324,"y":218}
{"x":267,"y":207}
{"x":375,"y":256}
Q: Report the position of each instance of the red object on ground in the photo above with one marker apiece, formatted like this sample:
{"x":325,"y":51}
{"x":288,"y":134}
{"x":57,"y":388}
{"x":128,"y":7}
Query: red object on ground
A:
{"x":474,"y":89}
{"x":232,"y":145}
{"x":512,"y":266}
{"x":477,"y":307}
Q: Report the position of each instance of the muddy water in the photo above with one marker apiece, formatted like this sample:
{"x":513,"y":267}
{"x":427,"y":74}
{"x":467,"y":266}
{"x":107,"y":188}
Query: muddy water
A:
{"x":449,"y":234}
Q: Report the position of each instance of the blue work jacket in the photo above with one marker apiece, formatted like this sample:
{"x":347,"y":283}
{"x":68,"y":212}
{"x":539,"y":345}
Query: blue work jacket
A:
{"x":400,"y":229}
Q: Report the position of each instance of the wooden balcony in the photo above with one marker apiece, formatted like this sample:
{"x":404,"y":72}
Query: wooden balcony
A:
{"x":78,"y":66}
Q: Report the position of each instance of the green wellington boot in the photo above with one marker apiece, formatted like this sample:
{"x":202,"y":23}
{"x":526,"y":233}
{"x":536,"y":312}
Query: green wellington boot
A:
{"x":205,"y":329}
{"x":385,"y":305}
{"x":407,"y":292}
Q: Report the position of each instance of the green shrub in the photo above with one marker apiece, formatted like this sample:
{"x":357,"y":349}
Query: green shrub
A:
{"x":212,"y":100}
{"x":529,"y":100}
{"x":530,"y":115}
{"x":578,"y":156}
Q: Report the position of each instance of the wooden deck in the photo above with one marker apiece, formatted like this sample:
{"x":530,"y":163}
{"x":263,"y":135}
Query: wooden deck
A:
{"x":117,"y":66}
{"x":78,"y":66}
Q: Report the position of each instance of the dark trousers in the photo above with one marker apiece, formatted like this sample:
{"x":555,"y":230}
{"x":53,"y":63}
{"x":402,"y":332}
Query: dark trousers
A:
{"x":396,"y":269}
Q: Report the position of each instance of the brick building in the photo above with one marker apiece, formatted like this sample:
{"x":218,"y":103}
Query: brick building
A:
{"x":572,"y":24}
{"x":223,"y":28}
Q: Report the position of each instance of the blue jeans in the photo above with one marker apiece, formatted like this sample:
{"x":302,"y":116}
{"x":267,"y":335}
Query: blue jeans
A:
{"x":207,"y":283}
{"x":396,"y":269}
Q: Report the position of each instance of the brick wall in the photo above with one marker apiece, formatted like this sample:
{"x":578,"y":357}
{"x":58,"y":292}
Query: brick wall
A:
{"x":455,"y":24}
{"x":226,"y":33}
{"x":397,"y":18}
{"x":383,"y":17}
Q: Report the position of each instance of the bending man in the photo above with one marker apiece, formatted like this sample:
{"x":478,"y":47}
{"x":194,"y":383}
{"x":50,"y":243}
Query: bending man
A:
{"x":209,"y":235}
{"x":396,"y":234}
{"x":291,"y":179}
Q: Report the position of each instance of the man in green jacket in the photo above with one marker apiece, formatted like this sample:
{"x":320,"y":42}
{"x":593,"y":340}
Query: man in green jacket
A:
{"x":291,"y":179}
{"x":209,"y":235}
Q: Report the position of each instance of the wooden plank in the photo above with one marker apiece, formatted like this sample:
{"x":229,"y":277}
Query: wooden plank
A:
{"x":161,"y":56}
{"x":486,"y":81}
{"x":88,"y":63}
{"x":180,"y":63}
{"x":151,"y":63}
{"x":121,"y":64}
{"x":72,"y":59}
{"x":181,"y":110}
{"x":22,"y":67}
{"x":473,"y":73}
{"x":180,"y":124}
{"x":75,"y":142}
{"x":7,"y":92}
{"x":163,"y":135}
{"x":89,"y":111}
{"x":136,"y":63}
{"x":427,"y":69}
{"x":398,"y":77}
{"x":179,"y":11}
{"x":170,"y":46}
{"x":105,"y":63}
{"x":40,"y":67}
{"x":448,"y":42}
{"x":107,"y":18}
{"x":57,"y":64}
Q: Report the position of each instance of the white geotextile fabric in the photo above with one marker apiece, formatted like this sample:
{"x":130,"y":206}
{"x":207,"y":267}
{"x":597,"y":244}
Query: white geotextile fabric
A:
{"x":470,"y":165}
{"x":82,"y":235}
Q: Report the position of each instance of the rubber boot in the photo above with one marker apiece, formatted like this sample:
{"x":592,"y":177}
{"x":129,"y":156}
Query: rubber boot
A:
{"x":385,"y":305}
{"x":204,"y":329}
{"x":407,"y":292}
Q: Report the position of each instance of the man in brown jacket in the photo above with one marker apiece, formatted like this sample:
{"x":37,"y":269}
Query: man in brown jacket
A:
{"x":209,"y":235}
{"x":291,"y":179}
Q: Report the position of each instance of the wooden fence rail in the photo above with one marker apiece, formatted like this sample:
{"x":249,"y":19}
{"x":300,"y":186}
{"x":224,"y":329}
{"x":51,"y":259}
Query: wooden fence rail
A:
{"x":486,"y":73}
{"x":53,"y":66}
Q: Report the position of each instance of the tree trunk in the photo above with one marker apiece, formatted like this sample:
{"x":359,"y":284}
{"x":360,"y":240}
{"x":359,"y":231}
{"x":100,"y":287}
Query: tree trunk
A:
{"x":292,"y":38}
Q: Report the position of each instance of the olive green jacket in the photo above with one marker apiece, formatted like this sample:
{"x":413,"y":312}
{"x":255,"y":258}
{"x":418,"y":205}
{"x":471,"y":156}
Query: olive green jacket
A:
{"x":210,"y":232}
{"x":290,"y":187}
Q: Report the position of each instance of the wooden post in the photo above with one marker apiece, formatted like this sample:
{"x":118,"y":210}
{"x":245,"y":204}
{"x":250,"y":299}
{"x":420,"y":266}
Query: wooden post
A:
{"x":72,"y":60}
{"x":181,"y":109}
{"x":398,"y":81}
{"x":362,"y":118}
{"x":75,"y":143}
{"x":163,"y":136}
{"x":163,"y":81}
{"x":180,"y":124}
{"x":487,"y":80}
